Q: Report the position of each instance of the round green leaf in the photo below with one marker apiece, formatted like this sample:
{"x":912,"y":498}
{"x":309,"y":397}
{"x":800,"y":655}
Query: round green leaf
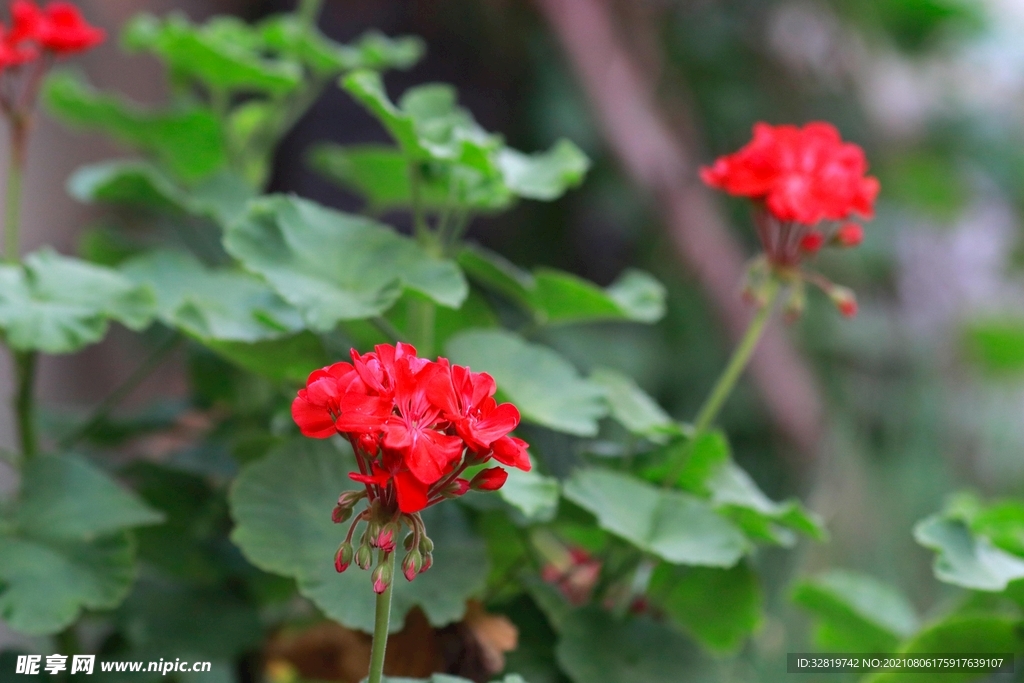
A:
{"x":595,"y":648}
{"x":221,"y":304}
{"x":857,"y":613}
{"x":677,"y":527}
{"x":66,"y":497}
{"x":57,"y":304}
{"x":45,"y":585}
{"x":964,"y":559}
{"x":543,"y":385}
{"x":282,"y":506}
{"x":719,"y":607}
{"x":335,"y":266}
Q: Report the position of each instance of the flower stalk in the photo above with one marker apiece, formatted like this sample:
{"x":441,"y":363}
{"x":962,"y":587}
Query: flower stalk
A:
{"x":381,"y":624}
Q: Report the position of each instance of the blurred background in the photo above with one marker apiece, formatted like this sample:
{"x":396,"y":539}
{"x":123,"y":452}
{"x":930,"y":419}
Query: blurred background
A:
{"x":874,"y":421}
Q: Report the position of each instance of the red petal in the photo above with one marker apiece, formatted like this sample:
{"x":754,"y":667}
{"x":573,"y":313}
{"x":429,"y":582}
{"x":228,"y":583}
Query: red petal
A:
{"x":412,"y":493}
{"x":314,"y":421}
{"x":508,"y":450}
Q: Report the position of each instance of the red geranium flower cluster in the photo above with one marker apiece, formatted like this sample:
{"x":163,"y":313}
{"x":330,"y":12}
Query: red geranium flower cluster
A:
{"x":59,"y":29}
{"x":804,"y":174}
{"x":806,"y":184}
{"x":415,"y":426}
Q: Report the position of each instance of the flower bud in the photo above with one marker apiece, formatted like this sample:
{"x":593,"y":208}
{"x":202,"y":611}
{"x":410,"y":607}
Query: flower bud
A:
{"x":812,"y":242}
{"x":845,"y":300}
{"x":491,"y":479}
{"x":343,"y":558}
{"x":385,"y":539}
{"x":411,"y":565}
{"x":428,"y":562}
{"x":364,"y":557}
{"x":346,"y":501}
{"x":381,"y":577}
{"x":426,"y":545}
{"x":368,"y":443}
{"x":456,"y":488}
{"x":849,"y":235}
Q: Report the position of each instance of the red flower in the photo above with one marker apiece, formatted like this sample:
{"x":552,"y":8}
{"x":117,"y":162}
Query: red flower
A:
{"x":61,"y":28}
{"x":804,"y":174}
{"x":491,"y":479}
{"x":415,"y":425}
{"x":850,"y":235}
{"x":413,"y":429}
{"x":12,"y":52}
{"x":467,"y":400}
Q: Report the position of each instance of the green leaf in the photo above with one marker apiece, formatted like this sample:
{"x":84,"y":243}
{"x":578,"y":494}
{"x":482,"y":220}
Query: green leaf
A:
{"x":161,"y":617}
{"x":545,"y":175}
{"x":633,"y":408}
{"x":288,"y":36}
{"x":212,"y":304}
{"x":188,"y":141}
{"x":595,"y":648}
{"x":719,"y":607}
{"x":857,"y":613}
{"x":997,"y":346}
{"x":961,"y":634}
{"x":543,"y":385}
{"x":708,"y":470}
{"x":67,"y":550}
{"x":66,"y":497}
{"x":57,"y":304}
{"x":45,"y":586}
{"x":224,"y":53}
{"x":282,"y":506}
{"x":221,"y":197}
{"x":476,"y":168}
{"x":334,"y":266}
{"x":288,"y":359}
{"x":555,"y":297}
{"x":380,"y":174}
{"x":677,"y":527}
{"x":532,"y":493}
{"x":964,"y":559}
{"x":427,"y":124}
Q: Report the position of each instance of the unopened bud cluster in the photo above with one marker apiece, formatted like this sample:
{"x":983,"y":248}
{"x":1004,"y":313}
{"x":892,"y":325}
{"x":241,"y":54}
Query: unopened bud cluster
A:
{"x":379,"y":538}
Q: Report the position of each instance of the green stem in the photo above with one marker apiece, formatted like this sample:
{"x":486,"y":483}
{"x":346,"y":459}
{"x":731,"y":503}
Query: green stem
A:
{"x":103,"y":410}
{"x":420,"y":320}
{"x":309,"y":11}
{"x":727,"y":381}
{"x":737,"y":364}
{"x":381,"y":625}
{"x":15,"y":176}
{"x":422,"y":230}
{"x":24,"y":402}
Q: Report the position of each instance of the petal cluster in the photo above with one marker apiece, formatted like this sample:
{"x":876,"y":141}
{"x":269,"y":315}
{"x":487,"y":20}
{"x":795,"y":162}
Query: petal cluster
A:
{"x":59,"y":29}
{"x":415,"y":424}
{"x":805,"y":175}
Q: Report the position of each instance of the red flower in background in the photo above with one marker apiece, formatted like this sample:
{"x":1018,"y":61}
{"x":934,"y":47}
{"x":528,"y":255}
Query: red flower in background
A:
{"x":60,"y":27}
{"x":804,"y":174}
{"x":799,"y":179}
{"x":12,"y":51}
